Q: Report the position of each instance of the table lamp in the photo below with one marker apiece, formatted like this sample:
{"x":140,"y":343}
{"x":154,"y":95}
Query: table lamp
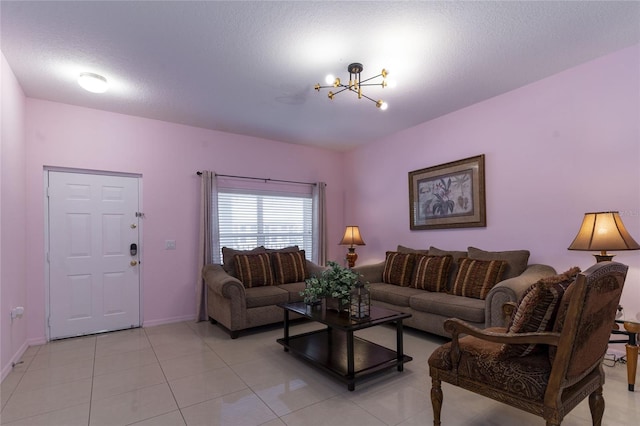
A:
{"x":352,"y":238}
{"x":603,"y":231}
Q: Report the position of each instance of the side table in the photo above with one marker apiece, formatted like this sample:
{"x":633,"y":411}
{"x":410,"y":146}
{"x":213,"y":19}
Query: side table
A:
{"x":631,"y":329}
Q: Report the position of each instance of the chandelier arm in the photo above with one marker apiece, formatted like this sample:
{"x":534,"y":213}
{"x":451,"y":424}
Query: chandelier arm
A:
{"x":371,"y":78}
{"x":331,"y":87}
{"x":372,"y":100}
{"x":372,"y":84}
{"x":340,"y":91}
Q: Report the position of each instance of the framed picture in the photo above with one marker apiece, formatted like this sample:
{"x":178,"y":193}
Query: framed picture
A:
{"x":450,"y":195}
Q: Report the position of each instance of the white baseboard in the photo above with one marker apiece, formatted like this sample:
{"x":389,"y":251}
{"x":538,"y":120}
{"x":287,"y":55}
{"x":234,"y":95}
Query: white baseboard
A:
{"x":6,"y":369}
{"x":153,"y":323}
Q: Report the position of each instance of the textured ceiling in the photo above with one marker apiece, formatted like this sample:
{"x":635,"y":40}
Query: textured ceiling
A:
{"x":250,"y":67}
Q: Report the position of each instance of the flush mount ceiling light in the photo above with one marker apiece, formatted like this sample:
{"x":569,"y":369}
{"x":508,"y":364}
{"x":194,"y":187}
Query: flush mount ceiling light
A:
{"x":355,"y":84}
{"x":91,"y":82}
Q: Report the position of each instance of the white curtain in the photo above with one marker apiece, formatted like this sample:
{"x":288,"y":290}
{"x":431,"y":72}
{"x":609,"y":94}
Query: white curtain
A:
{"x":207,"y":251}
{"x":319,"y":223}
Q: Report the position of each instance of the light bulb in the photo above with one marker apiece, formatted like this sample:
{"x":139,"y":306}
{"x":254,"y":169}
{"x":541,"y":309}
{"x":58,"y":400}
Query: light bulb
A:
{"x":91,"y":82}
{"x":382,"y":105}
{"x":329,"y":79}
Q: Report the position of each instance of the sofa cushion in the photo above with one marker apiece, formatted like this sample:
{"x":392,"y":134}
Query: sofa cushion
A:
{"x":457,"y":255}
{"x":448,"y":305}
{"x":403,"y":249}
{"x":431,"y":272}
{"x":228,"y":261}
{"x":517,"y":260}
{"x":537,"y":309}
{"x":283,"y":250}
{"x":254,"y":270}
{"x":265,"y":296}
{"x":476,"y":277}
{"x":294,"y":290}
{"x":289,"y":267}
{"x":392,"y":294}
{"x":398,"y":268}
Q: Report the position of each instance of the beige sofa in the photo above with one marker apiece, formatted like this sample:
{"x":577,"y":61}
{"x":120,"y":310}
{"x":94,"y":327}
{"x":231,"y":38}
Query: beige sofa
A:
{"x":430,"y":309}
{"x":237,"y":305}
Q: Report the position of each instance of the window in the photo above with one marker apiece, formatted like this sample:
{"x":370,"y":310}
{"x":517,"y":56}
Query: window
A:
{"x":248,"y":218}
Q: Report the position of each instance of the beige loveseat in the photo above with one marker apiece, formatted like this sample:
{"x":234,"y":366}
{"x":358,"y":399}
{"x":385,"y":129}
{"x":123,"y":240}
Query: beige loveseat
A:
{"x":392,"y":285}
{"x":245,"y":290}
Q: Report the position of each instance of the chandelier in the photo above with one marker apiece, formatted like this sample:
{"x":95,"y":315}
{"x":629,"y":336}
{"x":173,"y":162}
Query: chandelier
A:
{"x":355,"y":84}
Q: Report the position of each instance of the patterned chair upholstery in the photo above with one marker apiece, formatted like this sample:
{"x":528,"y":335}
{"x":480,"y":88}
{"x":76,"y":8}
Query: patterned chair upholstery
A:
{"x":557,"y":369}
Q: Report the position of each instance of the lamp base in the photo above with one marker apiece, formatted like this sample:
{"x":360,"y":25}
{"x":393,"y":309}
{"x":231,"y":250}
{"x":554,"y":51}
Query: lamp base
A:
{"x":603,"y":257}
{"x":352,"y":257}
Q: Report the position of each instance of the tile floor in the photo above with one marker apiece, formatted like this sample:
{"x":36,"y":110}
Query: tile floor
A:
{"x":193,"y":374}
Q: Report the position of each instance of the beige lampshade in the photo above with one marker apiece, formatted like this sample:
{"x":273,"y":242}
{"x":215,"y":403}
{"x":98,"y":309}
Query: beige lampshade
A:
{"x":603,"y":231}
{"x":352,"y":237}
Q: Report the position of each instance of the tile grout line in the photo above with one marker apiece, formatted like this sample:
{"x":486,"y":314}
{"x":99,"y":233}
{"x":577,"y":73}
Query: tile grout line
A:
{"x":14,"y":390}
{"x":93,"y":374}
{"x":165,"y":378}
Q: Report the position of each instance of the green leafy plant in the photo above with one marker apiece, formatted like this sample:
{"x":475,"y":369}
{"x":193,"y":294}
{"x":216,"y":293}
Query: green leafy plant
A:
{"x":316,"y":289}
{"x":335,"y":281}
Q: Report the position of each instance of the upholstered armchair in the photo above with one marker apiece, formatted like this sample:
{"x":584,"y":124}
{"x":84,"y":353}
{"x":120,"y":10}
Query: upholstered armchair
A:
{"x":546,"y":373}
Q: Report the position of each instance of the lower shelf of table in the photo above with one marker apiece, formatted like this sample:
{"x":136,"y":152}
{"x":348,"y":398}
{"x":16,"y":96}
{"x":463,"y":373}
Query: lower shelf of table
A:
{"x":327,"y":349}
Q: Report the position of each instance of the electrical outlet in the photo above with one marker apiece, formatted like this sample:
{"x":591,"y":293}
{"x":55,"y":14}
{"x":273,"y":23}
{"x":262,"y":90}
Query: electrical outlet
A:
{"x":17,"y":312}
{"x":170,"y":244}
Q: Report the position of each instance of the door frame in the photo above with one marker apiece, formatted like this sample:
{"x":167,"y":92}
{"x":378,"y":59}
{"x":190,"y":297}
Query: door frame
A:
{"x":47,"y":272}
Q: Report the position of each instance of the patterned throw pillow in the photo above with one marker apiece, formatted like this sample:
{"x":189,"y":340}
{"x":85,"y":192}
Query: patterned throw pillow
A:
{"x":538,"y":307}
{"x":228,"y":258}
{"x":517,"y":260}
{"x":289,"y":267}
{"x":457,"y":255}
{"x":398,"y":268}
{"x":254,"y":270}
{"x":561,"y":315}
{"x":431,"y":272}
{"x":476,"y":277}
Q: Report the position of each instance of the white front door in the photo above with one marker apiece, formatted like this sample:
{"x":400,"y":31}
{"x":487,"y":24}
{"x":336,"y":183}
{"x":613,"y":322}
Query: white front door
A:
{"x":94,"y":279}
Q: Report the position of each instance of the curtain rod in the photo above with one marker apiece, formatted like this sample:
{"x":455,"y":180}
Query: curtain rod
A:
{"x":262,"y":179}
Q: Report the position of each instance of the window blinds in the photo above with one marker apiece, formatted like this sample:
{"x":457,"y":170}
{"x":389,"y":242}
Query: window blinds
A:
{"x":250,"y":218}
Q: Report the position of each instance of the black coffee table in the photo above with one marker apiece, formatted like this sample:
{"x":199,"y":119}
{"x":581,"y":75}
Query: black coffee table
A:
{"x":336,"y":350}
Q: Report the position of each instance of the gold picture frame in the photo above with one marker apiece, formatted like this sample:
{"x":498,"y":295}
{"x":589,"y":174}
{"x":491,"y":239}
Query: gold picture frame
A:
{"x":450,"y":195}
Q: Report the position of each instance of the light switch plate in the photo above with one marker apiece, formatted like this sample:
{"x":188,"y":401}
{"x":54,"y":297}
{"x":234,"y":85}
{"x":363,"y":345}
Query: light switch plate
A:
{"x":170,"y":244}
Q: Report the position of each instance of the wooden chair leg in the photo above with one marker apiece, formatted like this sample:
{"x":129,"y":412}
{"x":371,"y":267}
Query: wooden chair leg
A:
{"x":596,"y":405}
{"x":436,"y":400}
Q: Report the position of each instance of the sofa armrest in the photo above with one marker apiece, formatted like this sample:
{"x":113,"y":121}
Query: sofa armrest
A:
{"x":314,"y":269}
{"x":221,"y":283}
{"x":511,"y":290}
{"x":371,"y":273}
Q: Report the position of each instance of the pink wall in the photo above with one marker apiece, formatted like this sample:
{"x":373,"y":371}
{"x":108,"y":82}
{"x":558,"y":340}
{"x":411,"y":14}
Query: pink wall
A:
{"x":12,"y":219}
{"x":167,"y":156}
{"x":555,"y":149}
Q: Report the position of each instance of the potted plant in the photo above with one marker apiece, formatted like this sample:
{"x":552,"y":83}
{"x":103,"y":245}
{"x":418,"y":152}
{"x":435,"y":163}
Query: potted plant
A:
{"x":316,"y":289}
{"x":335,"y":282}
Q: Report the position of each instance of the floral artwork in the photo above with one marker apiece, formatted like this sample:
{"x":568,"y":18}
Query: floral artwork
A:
{"x":448,"y":196}
{"x":445,"y":196}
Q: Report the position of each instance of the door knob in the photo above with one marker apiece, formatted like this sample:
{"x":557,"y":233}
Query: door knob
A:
{"x":133,"y":263}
